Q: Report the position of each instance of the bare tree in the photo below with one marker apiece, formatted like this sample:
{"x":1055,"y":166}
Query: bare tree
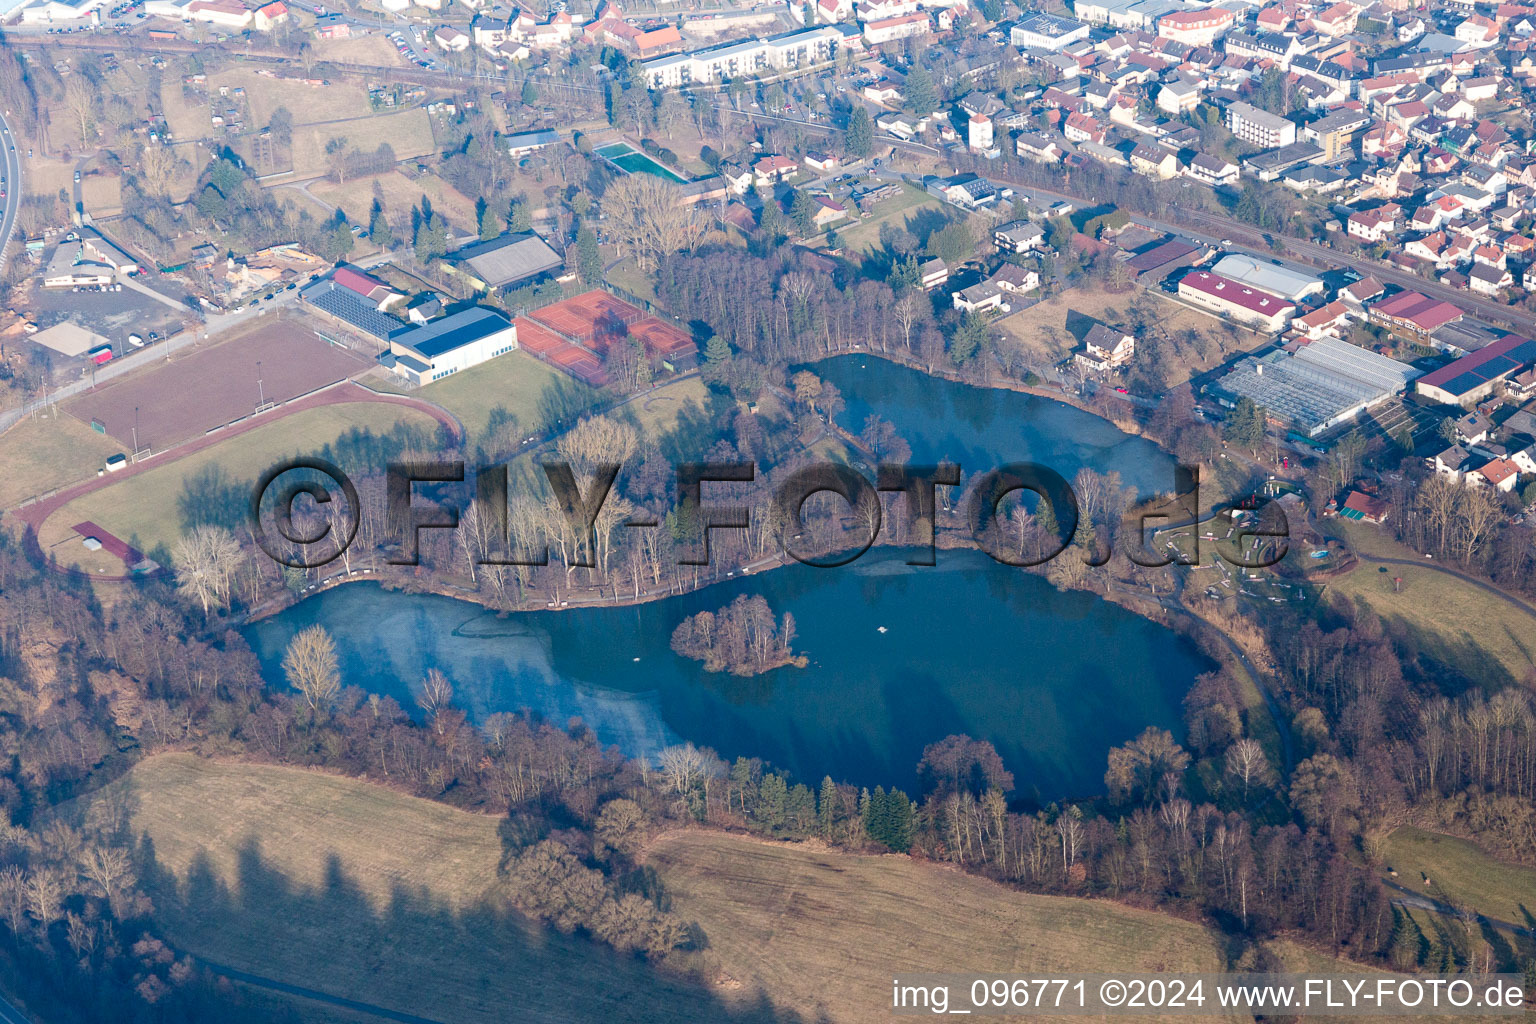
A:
{"x":45,"y":896}
{"x":158,"y":166}
{"x":110,"y":870}
{"x":908,"y":311}
{"x":649,"y":219}
{"x":311,"y":666}
{"x":436,"y":694}
{"x":1246,"y":763}
{"x":682,"y":766}
{"x":206,"y":562}
{"x":13,"y":896}
{"x":80,"y":100}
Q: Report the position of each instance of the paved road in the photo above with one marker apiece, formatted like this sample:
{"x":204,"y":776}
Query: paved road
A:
{"x":10,"y":206}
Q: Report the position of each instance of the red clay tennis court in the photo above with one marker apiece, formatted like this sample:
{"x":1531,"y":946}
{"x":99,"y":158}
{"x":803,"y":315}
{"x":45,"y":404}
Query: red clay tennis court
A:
{"x":586,"y":317}
{"x":539,"y":341}
{"x":660,"y":338}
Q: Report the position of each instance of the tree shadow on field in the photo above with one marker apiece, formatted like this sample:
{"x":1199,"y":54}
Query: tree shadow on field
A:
{"x":413,"y":957}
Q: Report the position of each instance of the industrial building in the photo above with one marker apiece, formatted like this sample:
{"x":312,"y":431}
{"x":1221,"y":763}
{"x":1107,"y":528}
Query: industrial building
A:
{"x":1236,"y":300}
{"x":504,"y":262}
{"x":1047,"y":32}
{"x":1316,"y":385}
{"x":445,"y":346}
{"x":1289,"y":284}
{"x":1477,"y":376}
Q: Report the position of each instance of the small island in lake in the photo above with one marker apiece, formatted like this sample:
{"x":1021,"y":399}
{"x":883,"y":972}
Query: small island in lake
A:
{"x":742,"y":638}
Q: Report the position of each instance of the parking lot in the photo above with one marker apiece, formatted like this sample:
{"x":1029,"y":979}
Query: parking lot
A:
{"x":113,"y":314}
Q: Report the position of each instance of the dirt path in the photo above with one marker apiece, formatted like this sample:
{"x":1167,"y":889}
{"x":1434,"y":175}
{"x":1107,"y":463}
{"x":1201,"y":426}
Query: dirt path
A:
{"x":274,"y":985}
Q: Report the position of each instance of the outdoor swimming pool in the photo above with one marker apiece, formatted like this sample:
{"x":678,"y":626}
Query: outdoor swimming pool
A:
{"x":631,"y":161}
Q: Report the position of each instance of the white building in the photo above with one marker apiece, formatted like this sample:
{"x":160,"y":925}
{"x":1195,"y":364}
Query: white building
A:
{"x":979,"y":133}
{"x":1195,"y":28}
{"x":451,"y":344}
{"x":1105,"y":349}
{"x":1047,"y":32}
{"x":46,"y":12}
{"x":804,"y":48}
{"x":1260,"y":127}
{"x":888,"y":30}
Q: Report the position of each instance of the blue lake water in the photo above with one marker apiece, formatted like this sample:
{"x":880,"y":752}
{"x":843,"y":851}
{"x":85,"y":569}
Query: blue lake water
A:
{"x":1053,"y":679}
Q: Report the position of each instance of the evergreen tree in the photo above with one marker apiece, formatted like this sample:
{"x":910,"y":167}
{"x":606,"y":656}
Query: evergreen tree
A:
{"x":859,"y":140}
{"x":530,"y":93}
{"x":1404,"y":948}
{"x":772,"y":800}
{"x":519,"y":214}
{"x":826,"y":806}
{"x":875,"y":821}
{"x":802,"y":210}
{"x":771,"y":223}
{"x":905,"y":273}
{"x":378,"y":226}
{"x":589,"y":260}
{"x":921,"y":96}
{"x":340,"y":241}
{"x":969,"y":338}
{"x":1245,"y":425}
{"x":717,"y":361}
{"x":489,"y":227}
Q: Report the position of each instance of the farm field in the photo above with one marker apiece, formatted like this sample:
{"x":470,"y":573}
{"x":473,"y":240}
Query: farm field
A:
{"x":821,"y":930}
{"x":400,"y":194}
{"x":143,"y":508}
{"x":1461,"y":873}
{"x":1193,"y":342}
{"x":1292,"y":956}
{"x":1451,"y":621}
{"x":364,"y":893}
{"x":185,"y":397}
{"x":408,"y":132}
{"x":47,"y":451}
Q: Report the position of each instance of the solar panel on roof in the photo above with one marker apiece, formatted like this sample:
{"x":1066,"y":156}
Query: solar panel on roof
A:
{"x":1462,"y":383}
{"x":1496,"y":366}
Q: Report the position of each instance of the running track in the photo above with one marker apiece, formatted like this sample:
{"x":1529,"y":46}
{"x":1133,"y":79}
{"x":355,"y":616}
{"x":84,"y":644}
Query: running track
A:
{"x":346,"y":393}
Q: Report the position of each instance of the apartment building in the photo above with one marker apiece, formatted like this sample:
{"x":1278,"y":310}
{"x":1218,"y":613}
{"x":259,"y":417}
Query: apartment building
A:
{"x":1260,"y":127}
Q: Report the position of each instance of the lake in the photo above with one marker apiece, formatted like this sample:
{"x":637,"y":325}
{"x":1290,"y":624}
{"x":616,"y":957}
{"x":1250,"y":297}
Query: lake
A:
{"x":900,"y":656}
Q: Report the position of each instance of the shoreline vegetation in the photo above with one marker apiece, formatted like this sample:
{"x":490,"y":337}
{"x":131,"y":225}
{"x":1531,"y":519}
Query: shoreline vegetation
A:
{"x":740,"y":638}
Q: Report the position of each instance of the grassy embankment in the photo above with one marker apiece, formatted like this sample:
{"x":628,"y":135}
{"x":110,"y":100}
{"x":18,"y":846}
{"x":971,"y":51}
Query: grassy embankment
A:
{"x":354,"y":890}
{"x":1478,"y":634}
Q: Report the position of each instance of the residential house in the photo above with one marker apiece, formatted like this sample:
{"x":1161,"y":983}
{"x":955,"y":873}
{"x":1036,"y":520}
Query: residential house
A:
{"x":1019,"y":236}
{"x":1105,"y":349}
{"x":933,"y":273}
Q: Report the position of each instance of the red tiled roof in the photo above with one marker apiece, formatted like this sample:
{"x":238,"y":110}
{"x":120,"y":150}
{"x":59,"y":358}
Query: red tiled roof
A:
{"x":1238,"y":294}
{"x":1420,"y":310}
{"x":357,"y":282}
